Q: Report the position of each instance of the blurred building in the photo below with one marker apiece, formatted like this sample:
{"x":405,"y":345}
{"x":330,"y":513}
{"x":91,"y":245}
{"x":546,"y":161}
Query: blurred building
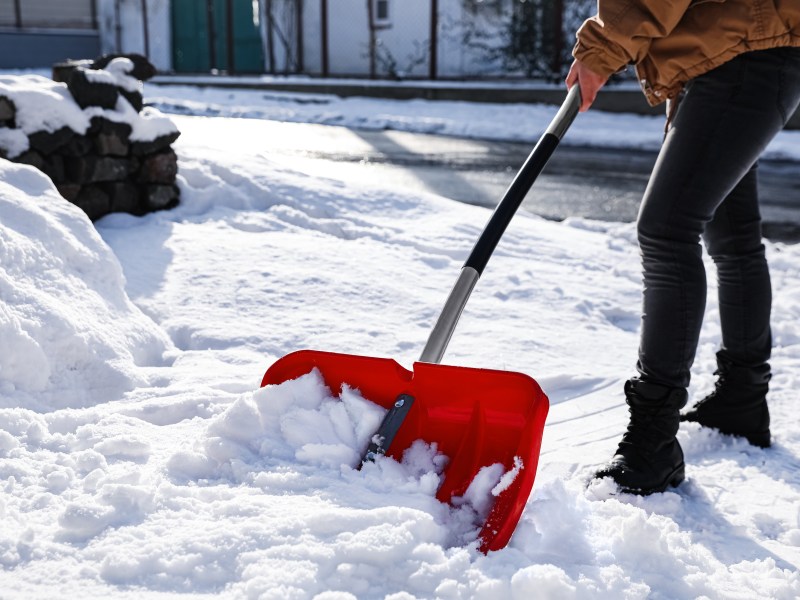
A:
{"x":36,"y":33}
{"x":415,"y":39}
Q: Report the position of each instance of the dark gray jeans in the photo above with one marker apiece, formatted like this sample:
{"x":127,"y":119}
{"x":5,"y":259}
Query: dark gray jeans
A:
{"x":704,"y":184}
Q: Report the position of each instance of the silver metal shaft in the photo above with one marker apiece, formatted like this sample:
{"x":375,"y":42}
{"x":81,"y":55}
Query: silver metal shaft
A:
{"x":446,"y":324}
{"x":567,"y":113}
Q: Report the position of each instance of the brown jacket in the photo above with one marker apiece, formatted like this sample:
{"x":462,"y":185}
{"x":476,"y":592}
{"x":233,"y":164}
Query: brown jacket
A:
{"x":673,"y":41}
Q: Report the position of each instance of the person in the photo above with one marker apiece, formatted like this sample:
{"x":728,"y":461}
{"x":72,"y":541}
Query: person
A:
{"x":730,"y":73}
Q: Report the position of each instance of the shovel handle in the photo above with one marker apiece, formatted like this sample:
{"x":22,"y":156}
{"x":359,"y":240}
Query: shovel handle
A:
{"x":522,"y":183}
{"x":484,"y":247}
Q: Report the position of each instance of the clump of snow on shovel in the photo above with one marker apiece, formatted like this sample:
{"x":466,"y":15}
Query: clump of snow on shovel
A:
{"x":474,"y":506}
{"x":318,"y":427}
{"x":299,"y":420}
{"x":303,"y":424}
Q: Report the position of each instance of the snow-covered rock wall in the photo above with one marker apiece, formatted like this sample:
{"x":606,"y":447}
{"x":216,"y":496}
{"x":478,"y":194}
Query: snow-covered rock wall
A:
{"x":89,"y":131}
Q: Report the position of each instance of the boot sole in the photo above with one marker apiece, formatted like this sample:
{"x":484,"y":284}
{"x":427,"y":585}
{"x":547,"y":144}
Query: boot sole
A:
{"x":674,"y":479}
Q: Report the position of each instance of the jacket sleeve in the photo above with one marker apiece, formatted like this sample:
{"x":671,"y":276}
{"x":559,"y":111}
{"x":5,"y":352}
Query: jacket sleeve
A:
{"x":621,"y":31}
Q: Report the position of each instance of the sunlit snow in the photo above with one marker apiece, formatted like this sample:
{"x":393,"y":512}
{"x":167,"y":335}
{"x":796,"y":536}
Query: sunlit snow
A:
{"x":140,"y":459}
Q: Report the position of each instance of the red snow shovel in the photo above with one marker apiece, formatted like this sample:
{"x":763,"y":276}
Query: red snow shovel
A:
{"x":477,"y":417}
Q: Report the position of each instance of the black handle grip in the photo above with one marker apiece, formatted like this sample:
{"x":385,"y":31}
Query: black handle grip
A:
{"x":390,"y":425}
{"x":511,"y":201}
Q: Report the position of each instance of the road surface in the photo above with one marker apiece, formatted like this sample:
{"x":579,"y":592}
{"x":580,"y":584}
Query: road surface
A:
{"x":604,"y":184}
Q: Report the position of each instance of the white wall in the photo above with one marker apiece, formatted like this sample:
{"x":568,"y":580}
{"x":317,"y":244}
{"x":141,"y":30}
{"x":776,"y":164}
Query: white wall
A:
{"x":312,"y":37}
{"x":405,"y":40}
{"x":132,"y":32}
{"x":454,"y":58}
{"x":348,"y":37}
{"x":285,"y":16}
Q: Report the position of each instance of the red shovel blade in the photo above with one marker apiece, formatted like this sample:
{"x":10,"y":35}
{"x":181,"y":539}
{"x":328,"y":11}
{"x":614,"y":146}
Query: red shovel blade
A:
{"x":477,"y":417}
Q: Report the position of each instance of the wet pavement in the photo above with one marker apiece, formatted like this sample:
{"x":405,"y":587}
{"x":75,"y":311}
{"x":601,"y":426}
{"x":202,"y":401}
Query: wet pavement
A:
{"x":595,"y":183}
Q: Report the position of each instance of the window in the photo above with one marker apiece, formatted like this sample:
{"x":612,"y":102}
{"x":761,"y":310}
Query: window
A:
{"x":380,"y":12}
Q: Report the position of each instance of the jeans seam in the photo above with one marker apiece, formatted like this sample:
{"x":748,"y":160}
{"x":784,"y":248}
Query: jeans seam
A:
{"x":685,"y":360}
{"x":740,"y":282}
{"x":781,"y":80}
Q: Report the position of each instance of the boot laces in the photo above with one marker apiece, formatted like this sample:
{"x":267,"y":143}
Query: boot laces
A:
{"x":719,"y":385}
{"x":643,"y":430}
{"x":653,"y":420}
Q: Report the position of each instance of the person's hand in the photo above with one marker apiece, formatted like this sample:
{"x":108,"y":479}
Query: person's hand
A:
{"x":589,"y":81}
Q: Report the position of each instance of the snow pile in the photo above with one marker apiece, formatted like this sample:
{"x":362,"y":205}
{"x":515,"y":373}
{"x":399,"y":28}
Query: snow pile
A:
{"x":69,"y":335}
{"x":195,"y":482}
{"x":301,"y":422}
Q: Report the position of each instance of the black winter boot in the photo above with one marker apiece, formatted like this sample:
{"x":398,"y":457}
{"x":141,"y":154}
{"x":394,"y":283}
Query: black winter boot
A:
{"x":649,"y":458}
{"x":738,"y":404}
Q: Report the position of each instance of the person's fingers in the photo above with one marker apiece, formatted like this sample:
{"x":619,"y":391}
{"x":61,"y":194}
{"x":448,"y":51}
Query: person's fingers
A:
{"x":588,"y":91}
{"x":589,"y":81}
{"x":572,"y":76}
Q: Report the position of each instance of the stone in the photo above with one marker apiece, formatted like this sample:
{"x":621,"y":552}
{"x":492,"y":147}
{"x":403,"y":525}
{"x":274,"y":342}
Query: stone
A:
{"x":161,"y":197}
{"x":124,"y":197}
{"x":47,"y":142}
{"x":63,"y":70}
{"x":8,"y":112}
{"x":158,"y":144}
{"x":93,"y":169}
{"x":54,"y":168}
{"x":32,"y":158}
{"x":135,"y":98}
{"x":111,"y":144}
{"x":94,"y":201}
{"x":91,"y":93}
{"x":159,"y":168}
{"x":143,"y":69}
{"x":111,"y":138}
{"x":69,"y":191}
{"x":80,"y":145}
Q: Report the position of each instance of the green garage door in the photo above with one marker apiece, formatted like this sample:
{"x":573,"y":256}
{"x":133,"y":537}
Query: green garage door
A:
{"x":196,"y":22}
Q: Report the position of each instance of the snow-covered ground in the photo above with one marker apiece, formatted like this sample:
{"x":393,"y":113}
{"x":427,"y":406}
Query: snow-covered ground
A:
{"x":140,"y":459}
{"x":517,"y":122}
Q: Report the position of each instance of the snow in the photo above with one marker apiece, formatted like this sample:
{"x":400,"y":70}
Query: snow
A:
{"x":140,"y":459}
{"x":462,"y":119}
{"x":118,"y":72}
{"x":46,"y":105}
{"x":65,"y":320}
